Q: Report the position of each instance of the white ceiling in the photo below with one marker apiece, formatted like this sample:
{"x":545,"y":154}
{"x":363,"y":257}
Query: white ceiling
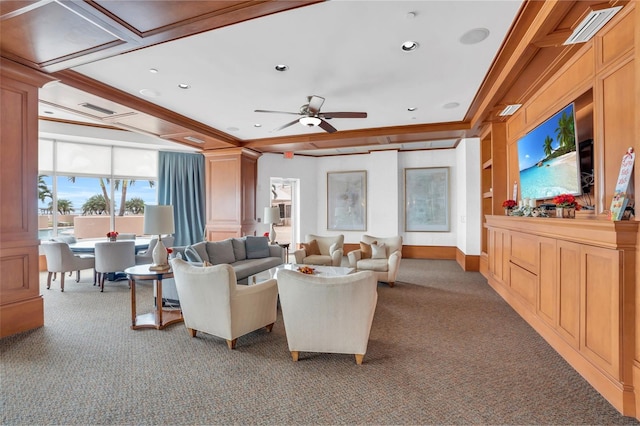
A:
{"x":348,"y":52}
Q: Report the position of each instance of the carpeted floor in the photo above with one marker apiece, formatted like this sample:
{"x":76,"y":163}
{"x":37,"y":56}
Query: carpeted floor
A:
{"x":444,"y":349}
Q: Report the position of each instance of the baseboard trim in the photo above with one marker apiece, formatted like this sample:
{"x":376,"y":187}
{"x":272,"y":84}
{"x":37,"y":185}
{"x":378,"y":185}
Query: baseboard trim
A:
{"x":467,"y":262}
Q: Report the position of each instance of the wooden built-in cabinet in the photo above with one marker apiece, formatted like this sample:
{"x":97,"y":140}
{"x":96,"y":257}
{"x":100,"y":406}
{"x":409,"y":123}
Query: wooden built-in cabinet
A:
{"x":231,"y":178}
{"x":493,"y":178}
{"x":574,"y":281}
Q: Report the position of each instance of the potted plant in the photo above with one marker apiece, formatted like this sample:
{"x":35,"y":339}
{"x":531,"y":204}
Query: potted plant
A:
{"x":508,"y":206}
{"x":112,"y":235}
{"x":566,"y":205}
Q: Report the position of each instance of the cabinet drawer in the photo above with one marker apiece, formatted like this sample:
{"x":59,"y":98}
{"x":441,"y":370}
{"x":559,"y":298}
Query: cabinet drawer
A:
{"x":524,"y":283}
{"x":525,"y":252}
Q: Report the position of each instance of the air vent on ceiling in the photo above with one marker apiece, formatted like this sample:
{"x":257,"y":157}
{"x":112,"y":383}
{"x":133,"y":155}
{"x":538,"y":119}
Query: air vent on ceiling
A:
{"x":510,"y":109}
{"x":97,"y":108}
{"x":590,"y":25}
{"x":193,"y":139}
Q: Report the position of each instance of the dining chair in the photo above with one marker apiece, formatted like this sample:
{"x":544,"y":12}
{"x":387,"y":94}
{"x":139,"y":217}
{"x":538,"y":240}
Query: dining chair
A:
{"x":61,"y":259}
{"x":113,"y":256}
{"x":146,"y":257}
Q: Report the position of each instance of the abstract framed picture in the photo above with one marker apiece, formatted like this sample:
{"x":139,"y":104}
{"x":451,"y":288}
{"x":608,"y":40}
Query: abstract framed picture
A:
{"x":347,"y":201}
{"x":426,"y":199}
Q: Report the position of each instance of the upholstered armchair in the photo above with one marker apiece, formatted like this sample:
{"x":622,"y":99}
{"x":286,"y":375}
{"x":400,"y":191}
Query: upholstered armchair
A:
{"x":61,"y":259}
{"x":380,"y":255}
{"x":320,"y":250}
{"x":327,"y":314}
{"x":212,"y":302}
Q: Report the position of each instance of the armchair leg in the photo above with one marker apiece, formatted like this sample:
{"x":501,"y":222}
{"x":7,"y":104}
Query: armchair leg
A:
{"x":294,"y":355}
{"x":391,"y":284}
{"x":359,"y":358}
{"x":269,"y":327}
{"x":78,"y":276}
{"x":62,"y":281}
{"x":49,"y":279}
{"x":232,"y":343}
{"x":192,"y":331}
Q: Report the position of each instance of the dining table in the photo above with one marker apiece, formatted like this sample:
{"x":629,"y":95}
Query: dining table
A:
{"x":89,"y":246}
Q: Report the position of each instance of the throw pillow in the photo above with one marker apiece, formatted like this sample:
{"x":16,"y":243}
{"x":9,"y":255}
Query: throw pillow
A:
{"x":239,"y":250}
{"x":311,"y":248}
{"x":201,"y":250}
{"x":192,"y":255}
{"x":366,"y":249}
{"x":378,"y":251}
{"x":220,"y":252}
{"x":257,"y":247}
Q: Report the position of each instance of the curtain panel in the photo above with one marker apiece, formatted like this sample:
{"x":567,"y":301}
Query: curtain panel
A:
{"x":181,"y":178}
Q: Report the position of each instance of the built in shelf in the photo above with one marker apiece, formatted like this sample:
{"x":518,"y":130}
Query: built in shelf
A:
{"x":487,"y":164}
{"x":487,"y":195}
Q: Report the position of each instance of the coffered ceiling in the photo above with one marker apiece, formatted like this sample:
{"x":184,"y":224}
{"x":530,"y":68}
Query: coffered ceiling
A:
{"x":121,"y":63}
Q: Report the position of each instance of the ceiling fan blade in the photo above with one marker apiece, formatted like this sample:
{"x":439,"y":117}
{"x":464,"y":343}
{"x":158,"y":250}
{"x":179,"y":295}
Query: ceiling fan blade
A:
{"x":276,"y":112}
{"x":327,"y":127}
{"x":343,"y":115}
{"x":286,"y":125}
{"x":315,"y":103}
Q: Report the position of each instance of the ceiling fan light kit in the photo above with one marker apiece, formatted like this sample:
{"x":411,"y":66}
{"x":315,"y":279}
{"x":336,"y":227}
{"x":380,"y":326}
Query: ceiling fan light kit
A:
{"x":312,"y":117}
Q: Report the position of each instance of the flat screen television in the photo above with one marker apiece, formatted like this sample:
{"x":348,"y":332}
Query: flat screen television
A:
{"x":548,"y":160}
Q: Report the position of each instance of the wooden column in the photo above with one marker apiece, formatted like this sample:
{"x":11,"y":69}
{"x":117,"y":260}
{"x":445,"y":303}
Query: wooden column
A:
{"x":21,"y":305}
{"x":231,"y":176}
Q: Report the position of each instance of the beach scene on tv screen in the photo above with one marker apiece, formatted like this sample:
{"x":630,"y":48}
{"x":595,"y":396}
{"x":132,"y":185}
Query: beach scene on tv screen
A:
{"x":547,"y":158}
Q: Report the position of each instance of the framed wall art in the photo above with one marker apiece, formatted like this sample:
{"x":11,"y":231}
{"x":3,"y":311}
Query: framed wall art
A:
{"x":347,"y":201}
{"x":426,"y":199}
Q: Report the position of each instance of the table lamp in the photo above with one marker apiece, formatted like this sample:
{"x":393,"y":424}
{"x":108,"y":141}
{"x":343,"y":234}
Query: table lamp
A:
{"x":272,"y":216}
{"x":158,"y":220}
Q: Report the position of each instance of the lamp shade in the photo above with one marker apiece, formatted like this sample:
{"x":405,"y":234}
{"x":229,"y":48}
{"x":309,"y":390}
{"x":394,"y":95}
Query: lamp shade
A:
{"x":158,"y":220}
{"x":271,"y":214}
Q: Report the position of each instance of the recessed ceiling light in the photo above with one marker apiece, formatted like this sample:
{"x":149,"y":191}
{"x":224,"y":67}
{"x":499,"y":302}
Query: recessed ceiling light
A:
{"x":281,"y":67}
{"x":153,"y":71}
{"x":451,"y":105}
{"x":411,"y":15}
{"x":150,"y":93}
{"x":474,"y":36}
{"x":412,"y":108}
{"x":184,"y":86}
{"x":257,"y":125}
{"x":409,"y":46}
{"x":232,"y":129}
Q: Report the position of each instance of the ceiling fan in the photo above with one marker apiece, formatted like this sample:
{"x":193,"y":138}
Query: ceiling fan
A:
{"x":312,"y":117}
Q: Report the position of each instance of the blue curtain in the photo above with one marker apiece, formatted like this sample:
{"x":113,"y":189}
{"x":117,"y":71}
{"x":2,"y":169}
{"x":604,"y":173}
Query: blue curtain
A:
{"x":181,"y":183}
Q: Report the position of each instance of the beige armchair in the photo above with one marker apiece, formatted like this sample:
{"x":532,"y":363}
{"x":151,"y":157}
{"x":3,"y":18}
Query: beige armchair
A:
{"x":213,"y":302}
{"x":321,"y":250}
{"x":327,"y":314}
{"x":385,"y":261}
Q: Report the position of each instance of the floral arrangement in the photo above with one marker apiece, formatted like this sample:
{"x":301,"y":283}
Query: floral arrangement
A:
{"x":266,"y":234}
{"x":112,"y":234}
{"x":508,"y":204}
{"x":566,"y":200}
{"x":169,"y":250}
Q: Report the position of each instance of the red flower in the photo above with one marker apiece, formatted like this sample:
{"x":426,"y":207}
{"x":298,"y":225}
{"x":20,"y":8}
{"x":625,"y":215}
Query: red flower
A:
{"x":508,"y":204}
{"x":566,"y":200}
{"x":112,"y":234}
{"x":169,"y":250}
{"x":266,"y":234}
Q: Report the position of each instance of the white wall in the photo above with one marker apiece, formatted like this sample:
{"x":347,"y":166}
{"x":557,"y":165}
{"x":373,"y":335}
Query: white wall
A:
{"x":385,"y":192}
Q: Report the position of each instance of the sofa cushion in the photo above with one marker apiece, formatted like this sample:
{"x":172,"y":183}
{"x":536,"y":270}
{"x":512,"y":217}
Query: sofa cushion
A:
{"x":318,"y":259}
{"x":197,"y":252}
{"x":239,"y":250}
{"x":378,"y":251}
{"x":311,"y":248}
{"x":245,"y":268}
{"x":220,"y":252}
{"x":257,"y":247}
{"x":377,"y":265}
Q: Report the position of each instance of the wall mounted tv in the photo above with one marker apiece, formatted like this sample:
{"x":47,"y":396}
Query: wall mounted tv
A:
{"x":547,"y":158}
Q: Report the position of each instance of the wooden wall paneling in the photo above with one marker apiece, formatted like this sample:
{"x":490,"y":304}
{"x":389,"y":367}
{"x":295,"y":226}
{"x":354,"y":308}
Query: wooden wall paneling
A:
{"x":617,"y":120}
{"x":568,"y":281}
{"x":249,"y":180}
{"x":524,"y":284}
{"x":616,"y":40}
{"x":547,"y":300}
{"x":21,"y":305}
{"x":636,"y":57}
{"x":600,"y":302}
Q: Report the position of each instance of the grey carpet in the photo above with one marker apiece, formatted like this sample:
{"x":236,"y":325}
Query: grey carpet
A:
{"x":444,"y":349}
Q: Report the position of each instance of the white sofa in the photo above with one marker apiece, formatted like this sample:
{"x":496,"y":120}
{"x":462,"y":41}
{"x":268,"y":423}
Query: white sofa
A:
{"x":212,"y":302}
{"x":385,"y":267}
{"x":327,"y":314}
{"x":330,"y":250}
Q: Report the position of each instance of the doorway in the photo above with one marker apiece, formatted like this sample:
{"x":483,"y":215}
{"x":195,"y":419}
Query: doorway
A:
{"x":284,"y":195}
